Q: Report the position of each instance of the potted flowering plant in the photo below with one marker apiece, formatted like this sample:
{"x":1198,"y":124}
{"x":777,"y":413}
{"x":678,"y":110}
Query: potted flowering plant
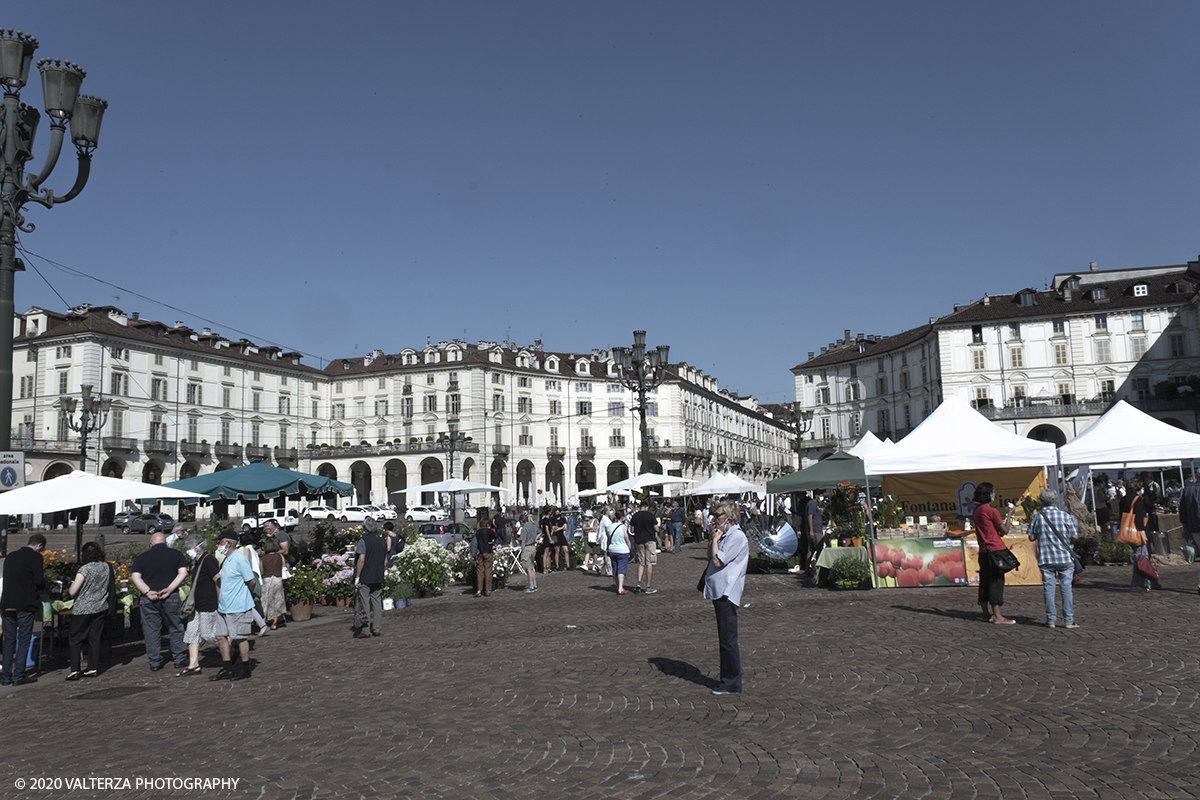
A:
{"x":396,"y":592}
{"x":462,"y":563}
{"x":301,"y":591}
{"x":425,"y":565}
{"x":336,"y":572}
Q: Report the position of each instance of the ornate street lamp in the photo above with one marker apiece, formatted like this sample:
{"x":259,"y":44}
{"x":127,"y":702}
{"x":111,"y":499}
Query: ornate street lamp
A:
{"x":93,"y":413}
{"x":63,"y":104}
{"x":642,"y":372}
{"x":803,"y":420}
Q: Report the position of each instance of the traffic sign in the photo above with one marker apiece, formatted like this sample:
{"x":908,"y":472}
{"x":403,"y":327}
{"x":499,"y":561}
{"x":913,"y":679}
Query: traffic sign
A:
{"x":12,"y":469}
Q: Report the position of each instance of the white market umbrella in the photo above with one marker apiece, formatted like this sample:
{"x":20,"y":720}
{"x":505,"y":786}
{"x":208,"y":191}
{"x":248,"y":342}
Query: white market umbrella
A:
{"x":452,"y":485}
{"x":726,"y":484}
{"x":79,"y":489}
{"x":646,"y":479}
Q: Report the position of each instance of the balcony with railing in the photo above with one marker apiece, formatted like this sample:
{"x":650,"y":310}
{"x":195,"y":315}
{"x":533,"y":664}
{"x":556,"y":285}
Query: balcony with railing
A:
{"x":556,"y":452}
{"x":193,"y":448}
{"x":585,"y":453}
{"x":164,"y":446}
{"x":227,"y":450}
{"x":1040,"y":409}
{"x":501,"y":450}
{"x":286,"y":453}
{"x":119,"y":443}
{"x":259,"y":451}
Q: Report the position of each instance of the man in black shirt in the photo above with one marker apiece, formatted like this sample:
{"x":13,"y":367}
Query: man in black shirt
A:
{"x":21,"y":602}
{"x":645,"y":529}
{"x":157,"y":574}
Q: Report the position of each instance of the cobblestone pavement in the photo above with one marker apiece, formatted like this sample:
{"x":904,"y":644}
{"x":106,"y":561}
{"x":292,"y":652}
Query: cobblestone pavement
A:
{"x":576,"y":692}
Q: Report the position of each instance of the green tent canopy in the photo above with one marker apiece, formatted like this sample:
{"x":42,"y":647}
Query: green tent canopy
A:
{"x":841,"y":467}
{"x":259,"y":482}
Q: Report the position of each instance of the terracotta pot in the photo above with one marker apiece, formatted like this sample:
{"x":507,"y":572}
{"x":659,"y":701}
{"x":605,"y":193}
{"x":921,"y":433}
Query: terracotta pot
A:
{"x":301,"y":612}
{"x":342,"y":602}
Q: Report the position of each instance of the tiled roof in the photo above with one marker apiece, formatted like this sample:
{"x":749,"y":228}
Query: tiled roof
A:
{"x":849,"y":350}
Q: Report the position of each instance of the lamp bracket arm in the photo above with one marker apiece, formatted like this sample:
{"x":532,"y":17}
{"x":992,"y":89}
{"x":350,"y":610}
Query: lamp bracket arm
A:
{"x":57,"y":133}
{"x":81,"y":179}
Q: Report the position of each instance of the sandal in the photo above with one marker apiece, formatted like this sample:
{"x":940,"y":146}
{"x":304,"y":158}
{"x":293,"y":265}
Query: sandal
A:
{"x":189,"y":671}
{"x":1004,"y":622}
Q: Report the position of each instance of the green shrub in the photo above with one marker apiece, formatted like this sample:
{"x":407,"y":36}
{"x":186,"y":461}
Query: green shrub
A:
{"x":851,"y":573}
{"x":1113,"y":552}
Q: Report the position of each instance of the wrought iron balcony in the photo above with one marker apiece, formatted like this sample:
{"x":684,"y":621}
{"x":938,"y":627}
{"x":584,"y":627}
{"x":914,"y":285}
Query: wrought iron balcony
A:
{"x":260,"y":451}
{"x":500,"y":450}
{"x":119,"y":443}
{"x":164,"y":446}
{"x":585,"y":452}
{"x":556,"y":452}
{"x":288,"y":453}
{"x":1035,"y":410}
{"x":228,"y":450}
{"x":193,"y":448}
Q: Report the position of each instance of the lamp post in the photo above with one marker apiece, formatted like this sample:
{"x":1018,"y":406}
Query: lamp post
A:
{"x":642,"y":372}
{"x":63,"y":103}
{"x":93,"y":413}
{"x":803,"y":419}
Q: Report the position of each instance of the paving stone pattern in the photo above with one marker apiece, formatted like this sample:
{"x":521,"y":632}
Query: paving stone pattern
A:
{"x":576,"y":692}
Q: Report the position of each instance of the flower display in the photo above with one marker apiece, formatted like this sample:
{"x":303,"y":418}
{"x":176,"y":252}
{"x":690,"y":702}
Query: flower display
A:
{"x":336,"y":574}
{"x":426,"y":565}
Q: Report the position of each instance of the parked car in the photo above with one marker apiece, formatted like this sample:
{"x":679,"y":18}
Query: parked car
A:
{"x":446,"y":533}
{"x":319,"y":512}
{"x":355,"y":513}
{"x":148,"y":523}
{"x":283,"y":517}
{"x":425,"y":514}
{"x":381,"y":512}
{"x":122,"y":518}
{"x":465,"y":512}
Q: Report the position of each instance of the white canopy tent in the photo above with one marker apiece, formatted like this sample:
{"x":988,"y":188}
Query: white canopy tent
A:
{"x":721,"y":483}
{"x":869,"y":443}
{"x":1125,"y":436}
{"x":957,"y":437}
{"x":645,"y":480}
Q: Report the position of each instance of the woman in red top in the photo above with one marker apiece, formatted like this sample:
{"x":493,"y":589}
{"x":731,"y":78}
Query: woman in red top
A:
{"x":989,"y":527}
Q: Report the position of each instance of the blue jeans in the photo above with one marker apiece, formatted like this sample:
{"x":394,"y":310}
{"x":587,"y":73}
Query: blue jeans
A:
{"x":1063,"y":575}
{"x":18,"y":631}
{"x":154,"y":614}
{"x":677,"y":532}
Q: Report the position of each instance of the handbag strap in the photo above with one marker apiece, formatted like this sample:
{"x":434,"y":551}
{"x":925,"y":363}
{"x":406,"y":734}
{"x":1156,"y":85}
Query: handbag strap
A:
{"x":1054,"y":528}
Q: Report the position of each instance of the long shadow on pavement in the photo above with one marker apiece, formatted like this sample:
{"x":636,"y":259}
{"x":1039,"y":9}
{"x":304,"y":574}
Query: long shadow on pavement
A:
{"x":682,"y":669}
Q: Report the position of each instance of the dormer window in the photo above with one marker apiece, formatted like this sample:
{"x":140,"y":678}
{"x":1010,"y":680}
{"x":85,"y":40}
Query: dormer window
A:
{"x":552,"y":365}
{"x":1072,"y":283}
{"x":581,"y":367}
{"x":1026,"y":297}
{"x":494,"y":356}
{"x":1141,"y":290}
{"x":1099,"y":293}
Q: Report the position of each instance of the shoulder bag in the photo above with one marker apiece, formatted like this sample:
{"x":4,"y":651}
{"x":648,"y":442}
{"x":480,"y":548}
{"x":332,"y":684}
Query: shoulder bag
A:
{"x":1129,"y":533}
{"x":1076,"y":562}
{"x":1003,"y":561}
{"x":188,"y":606}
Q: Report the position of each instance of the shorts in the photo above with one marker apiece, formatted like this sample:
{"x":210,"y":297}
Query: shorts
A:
{"x":235,"y":626}
{"x":593,"y":549}
{"x":647,"y":553}
{"x":620,"y":563}
{"x":560,"y":539}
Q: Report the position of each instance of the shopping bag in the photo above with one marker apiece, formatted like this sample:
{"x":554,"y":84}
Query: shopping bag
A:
{"x":1128,"y":533}
{"x":1146,"y":568}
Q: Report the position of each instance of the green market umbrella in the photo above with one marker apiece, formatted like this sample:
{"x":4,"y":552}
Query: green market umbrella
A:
{"x":841,"y":467}
{"x":259,"y":482}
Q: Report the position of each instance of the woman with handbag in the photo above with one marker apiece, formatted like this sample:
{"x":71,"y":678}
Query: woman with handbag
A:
{"x":1133,"y":509}
{"x":989,"y":527}
{"x":201,"y":623}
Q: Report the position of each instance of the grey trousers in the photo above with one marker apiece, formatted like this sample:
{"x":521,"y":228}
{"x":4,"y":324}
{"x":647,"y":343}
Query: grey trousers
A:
{"x":368,"y":607}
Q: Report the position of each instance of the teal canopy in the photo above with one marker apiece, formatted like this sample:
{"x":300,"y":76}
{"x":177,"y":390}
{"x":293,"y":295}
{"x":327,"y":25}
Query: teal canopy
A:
{"x":841,"y":467}
{"x":258,"y":482}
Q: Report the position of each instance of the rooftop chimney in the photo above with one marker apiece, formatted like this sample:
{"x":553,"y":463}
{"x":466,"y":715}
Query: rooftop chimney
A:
{"x":987,"y":301}
{"x":135,"y":316}
{"x":1095,"y":266}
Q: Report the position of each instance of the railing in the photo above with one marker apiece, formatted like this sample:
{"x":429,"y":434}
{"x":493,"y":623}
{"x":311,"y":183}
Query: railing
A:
{"x":500,"y":450}
{"x":585,"y":452}
{"x":556,"y":452}
{"x":228,"y":450}
{"x":193,"y":448}
{"x":258,"y":451}
{"x":1042,"y":410}
{"x":119,"y":443}
{"x":159,"y":446}
{"x":817,"y":444}
{"x":289,"y":453}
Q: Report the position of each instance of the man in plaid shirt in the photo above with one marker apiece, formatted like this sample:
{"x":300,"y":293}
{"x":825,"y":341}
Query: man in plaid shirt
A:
{"x":1053,"y":529}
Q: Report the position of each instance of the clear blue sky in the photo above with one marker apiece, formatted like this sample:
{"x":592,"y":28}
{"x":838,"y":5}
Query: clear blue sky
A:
{"x":742,"y":180}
